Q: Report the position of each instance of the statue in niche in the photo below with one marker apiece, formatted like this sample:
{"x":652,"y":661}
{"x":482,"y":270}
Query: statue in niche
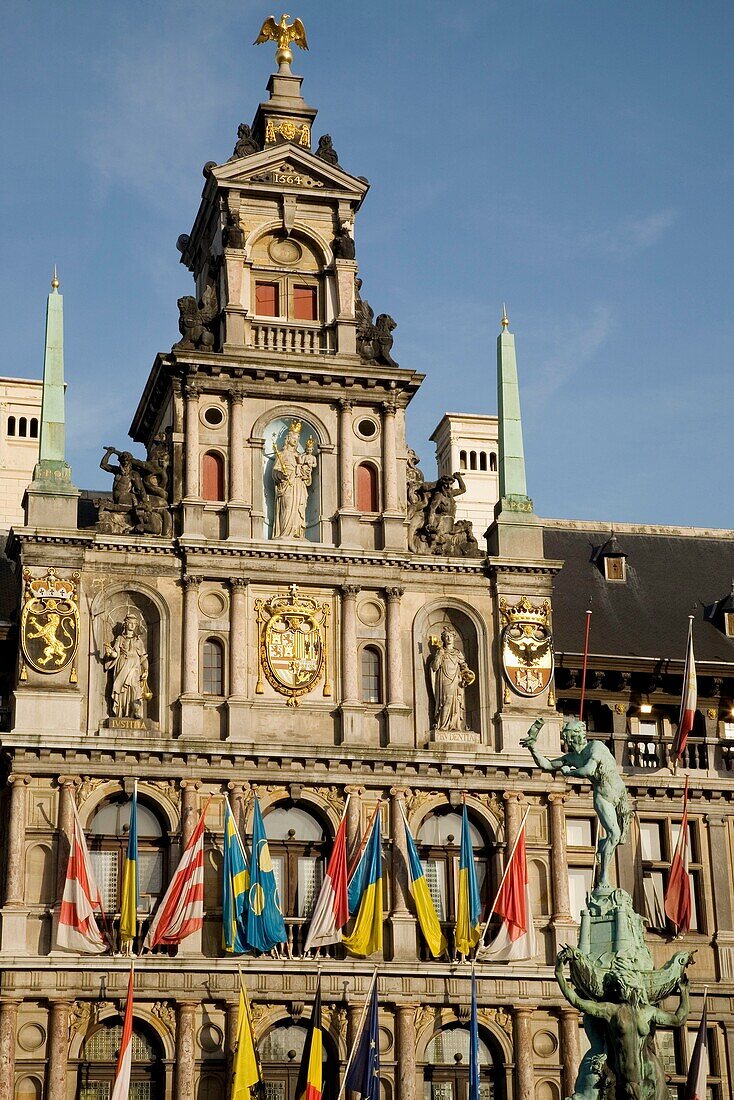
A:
{"x":432,"y":524}
{"x":139,"y":492}
{"x":246,"y":143}
{"x":292,"y":477}
{"x":325,"y":150}
{"x":125,"y":657}
{"x":450,"y":676}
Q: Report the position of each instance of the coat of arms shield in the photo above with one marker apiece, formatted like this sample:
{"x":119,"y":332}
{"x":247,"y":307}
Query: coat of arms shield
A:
{"x":293,"y":647}
{"x":527,"y":646}
{"x":49,"y":623}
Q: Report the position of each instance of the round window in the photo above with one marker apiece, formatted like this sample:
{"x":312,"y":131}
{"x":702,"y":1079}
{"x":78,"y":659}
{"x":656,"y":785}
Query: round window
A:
{"x":366,"y":428}
{"x":213,"y":416}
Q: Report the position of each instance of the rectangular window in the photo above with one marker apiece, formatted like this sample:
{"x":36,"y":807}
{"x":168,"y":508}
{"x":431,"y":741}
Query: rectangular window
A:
{"x":150,"y":878}
{"x":658,"y":840}
{"x":651,"y":844}
{"x":267,"y":299}
{"x":305,"y":303}
{"x":580,"y":882}
{"x":654,"y":887}
{"x":648,"y":728}
{"x":579,"y":832}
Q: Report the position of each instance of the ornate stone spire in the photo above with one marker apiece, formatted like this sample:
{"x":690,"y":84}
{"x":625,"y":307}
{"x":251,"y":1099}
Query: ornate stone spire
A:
{"x":285,"y":117}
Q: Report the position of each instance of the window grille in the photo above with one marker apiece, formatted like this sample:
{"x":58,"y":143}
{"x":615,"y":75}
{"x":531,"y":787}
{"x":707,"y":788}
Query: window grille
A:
{"x":371,"y":688}
{"x":213,"y":668}
{"x":310,"y":877}
{"x":435,"y":873}
{"x":104,"y":1045}
{"x":104,"y":865}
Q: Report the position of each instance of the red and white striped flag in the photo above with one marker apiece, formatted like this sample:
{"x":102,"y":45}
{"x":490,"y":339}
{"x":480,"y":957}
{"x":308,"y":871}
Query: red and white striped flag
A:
{"x":331,"y":911}
{"x":678,"y":892}
{"x":689,"y":700}
{"x":516,"y":937}
{"x":121,"y":1088}
{"x":181,"y":911}
{"x":699,"y":1067}
{"x":78,"y":930}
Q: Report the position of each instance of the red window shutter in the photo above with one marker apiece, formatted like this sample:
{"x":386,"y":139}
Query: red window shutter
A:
{"x":368,"y":497}
{"x":267,"y":300}
{"x":305,"y":303}
{"x":212,"y":476}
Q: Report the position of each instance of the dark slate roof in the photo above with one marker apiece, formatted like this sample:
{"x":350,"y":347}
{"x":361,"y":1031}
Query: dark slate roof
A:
{"x":670,"y":575}
{"x":8,"y":588}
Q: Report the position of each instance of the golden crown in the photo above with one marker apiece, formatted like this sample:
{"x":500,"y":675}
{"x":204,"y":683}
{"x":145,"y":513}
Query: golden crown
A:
{"x":296,"y":426}
{"x":524,"y":612}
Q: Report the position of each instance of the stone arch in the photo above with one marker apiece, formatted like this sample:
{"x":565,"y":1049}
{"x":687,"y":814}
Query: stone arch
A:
{"x":439,"y":799}
{"x":293,"y":410}
{"x":111,"y":603}
{"x":326,"y":811}
{"x":28,"y":1087}
{"x":300,"y":229}
{"x":278,"y":1016}
{"x":39,"y":875}
{"x":547,"y":1090}
{"x":168,"y":810}
{"x":107,"y":1014}
{"x":473,"y":640}
{"x":431,"y":1022}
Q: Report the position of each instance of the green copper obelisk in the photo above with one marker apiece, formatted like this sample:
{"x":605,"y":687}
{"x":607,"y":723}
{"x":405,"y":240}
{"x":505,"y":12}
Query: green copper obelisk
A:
{"x":513,"y":488}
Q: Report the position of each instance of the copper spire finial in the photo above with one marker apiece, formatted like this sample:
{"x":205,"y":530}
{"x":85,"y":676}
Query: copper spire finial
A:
{"x":505,"y":318}
{"x":55,"y":281}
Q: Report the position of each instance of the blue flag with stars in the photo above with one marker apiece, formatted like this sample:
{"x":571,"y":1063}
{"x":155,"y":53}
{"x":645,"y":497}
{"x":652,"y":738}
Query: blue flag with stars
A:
{"x":364,"y":1073}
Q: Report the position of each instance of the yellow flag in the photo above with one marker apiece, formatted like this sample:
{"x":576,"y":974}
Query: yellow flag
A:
{"x":246,"y":1062}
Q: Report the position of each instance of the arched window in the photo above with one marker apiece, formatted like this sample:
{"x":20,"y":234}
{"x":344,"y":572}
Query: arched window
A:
{"x":212,"y":667}
{"x":439,"y":840}
{"x":212,"y":476}
{"x":11,"y":425}
{"x":462,"y":460}
{"x":483,"y":461}
{"x":371,"y":675}
{"x":107,"y":834}
{"x":447,"y":1067}
{"x":472,"y":460}
{"x":298,"y":841}
{"x":23,"y":426}
{"x":281,"y":1052}
{"x":493,"y":462}
{"x":34,"y":427}
{"x":99,"y":1062}
{"x":368,"y":491}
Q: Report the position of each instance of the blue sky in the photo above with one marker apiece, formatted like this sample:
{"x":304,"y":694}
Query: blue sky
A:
{"x":572,"y":158}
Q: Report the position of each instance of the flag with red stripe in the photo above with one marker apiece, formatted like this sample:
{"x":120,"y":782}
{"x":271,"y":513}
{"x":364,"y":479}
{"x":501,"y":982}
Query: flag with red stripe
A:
{"x":78,"y":929}
{"x":516,"y":937}
{"x":689,"y":700}
{"x":331,"y":911}
{"x":181,"y":911}
{"x":121,"y":1088}
{"x":698,"y":1070}
{"x":678,"y":891}
{"x":310,"y":1085}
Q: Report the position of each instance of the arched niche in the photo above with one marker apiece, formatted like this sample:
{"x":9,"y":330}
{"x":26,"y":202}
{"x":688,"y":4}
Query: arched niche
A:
{"x":443,"y":1053}
{"x":281,"y":1051}
{"x":39,"y":875}
{"x":302,"y":470}
{"x":470,"y":639}
{"x":28,"y":1088}
{"x":108,"y":613}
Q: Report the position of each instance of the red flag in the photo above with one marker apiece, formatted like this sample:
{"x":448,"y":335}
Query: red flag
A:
{"x":78,"y":930}
{"x":678,"y":892}
{"x":516,"y":937}
{"x":699,"y":1067}
{"x":331,"y":911}
{"x":182,"y":910}
{"x":689,"y":700}
{"x":121,"y":1088}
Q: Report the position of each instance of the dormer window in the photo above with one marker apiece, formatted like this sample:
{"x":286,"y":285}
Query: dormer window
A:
{"x":729,"y":623}
{"x":614,"y":569}
{"x":721,"y":614}
{"x":612,"y":560}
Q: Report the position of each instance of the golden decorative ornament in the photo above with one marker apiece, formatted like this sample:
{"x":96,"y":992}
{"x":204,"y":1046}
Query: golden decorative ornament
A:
{"x":293,"y":650}
{"x":49,"y":622}
{"x":283,"y":33}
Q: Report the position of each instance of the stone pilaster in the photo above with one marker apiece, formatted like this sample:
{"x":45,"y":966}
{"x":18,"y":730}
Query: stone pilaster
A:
{"x":569,"y":1038}
{"x":348,"y":515}
{"x":399,"y":732}
{"x":406,"y":1038}
{"x":237,"y":508}
{"x":562,"y":918}
{"x":513,"y":817}
{"x":67,"y":795}
{"x":189,"y":808}
{"x":230,"y":1039}
{"x":191,"y":702}
{"x":193,"y":505}
{"x":15,"y":913}
{"x":8,"y":1024}
{"x":237,"y":798}
{"x":237,"y":706}
{"x":58,"y":1050}
{"x":402,"y":920}
{"x":354,"y":818}
{"x":350,"y":705}
{"x":394,"y":532}
{"x":185,"y":1064}
{"x":721,"y":880}
{"x":522,"y":1041}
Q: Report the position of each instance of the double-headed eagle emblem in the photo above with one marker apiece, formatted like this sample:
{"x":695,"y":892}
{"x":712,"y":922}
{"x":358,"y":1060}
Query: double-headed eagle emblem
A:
{"x":283,"y":33}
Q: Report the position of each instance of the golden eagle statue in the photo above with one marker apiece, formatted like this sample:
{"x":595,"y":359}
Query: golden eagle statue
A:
{"x":283,"y":33}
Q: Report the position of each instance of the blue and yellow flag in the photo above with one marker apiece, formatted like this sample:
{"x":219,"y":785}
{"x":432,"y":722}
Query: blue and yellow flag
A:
{"x":234,"y":888}
{"x":365,"y":898}
{"x":424,"y":907}
{"x":468,"y":905}
{"x":265,"y":924}
{"x":129,"y":903}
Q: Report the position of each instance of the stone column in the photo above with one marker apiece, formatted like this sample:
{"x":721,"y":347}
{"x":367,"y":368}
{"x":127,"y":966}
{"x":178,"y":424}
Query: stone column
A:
{"x":230,"y":1039}
{"x":192,"y":392}
{"x":389,"y":458}
{"x":394,"y":648}
{"x":16,"y":839}
{"x":350,"y":671}
{"x":569,"y":1035}
{"x":354,"y":1017}
{"x":522,"y":1043}
{"x":559,"y":859}
{"x":185,"y":1020}
{"x":402,"y":921}
{"x":346,"y":462}
{"x":354,"y":818}
{"x":237,"y":797}
{"x":58,"y":1050}
{"x":8,"y":1021}
{"x":190,"y":671}
{"x":238,"y":638}
{"x":237,"y":446}
{"x":67,"y":794}
{"x":189,"y":809}
{"x":513,"y":817}
{"x":406,"y":1037}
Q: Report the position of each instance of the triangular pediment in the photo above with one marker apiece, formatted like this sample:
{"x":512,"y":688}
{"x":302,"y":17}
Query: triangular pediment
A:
{"x":286,"y":166}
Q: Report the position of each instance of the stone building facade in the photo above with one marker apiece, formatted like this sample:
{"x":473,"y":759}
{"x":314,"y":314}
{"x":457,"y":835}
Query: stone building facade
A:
{"x":278,"y":485}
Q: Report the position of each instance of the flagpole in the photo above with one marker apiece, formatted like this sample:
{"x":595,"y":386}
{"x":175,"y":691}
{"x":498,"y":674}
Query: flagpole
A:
{"x":505,"y":873}
{"x":355,"y":1044}
{"x":586,"y":658}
